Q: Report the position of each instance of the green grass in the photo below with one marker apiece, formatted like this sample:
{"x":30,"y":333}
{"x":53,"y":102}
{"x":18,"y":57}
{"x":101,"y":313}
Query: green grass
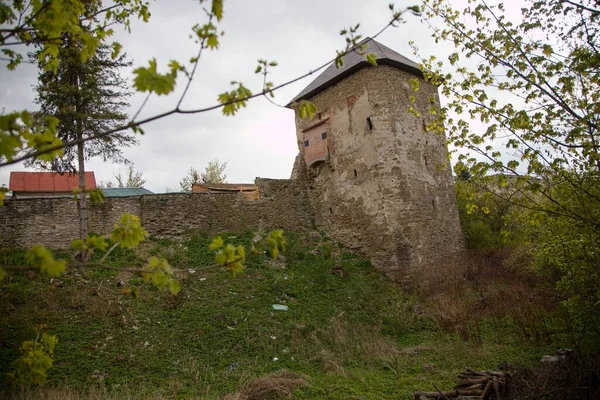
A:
{"x":356,"y":336}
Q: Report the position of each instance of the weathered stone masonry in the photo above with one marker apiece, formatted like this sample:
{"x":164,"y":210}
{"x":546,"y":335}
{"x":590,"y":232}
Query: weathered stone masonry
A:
{"x":54,"y":222}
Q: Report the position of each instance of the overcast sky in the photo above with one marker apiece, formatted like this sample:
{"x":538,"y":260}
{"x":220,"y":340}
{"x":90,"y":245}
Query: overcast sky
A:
{"x":260,"y":140}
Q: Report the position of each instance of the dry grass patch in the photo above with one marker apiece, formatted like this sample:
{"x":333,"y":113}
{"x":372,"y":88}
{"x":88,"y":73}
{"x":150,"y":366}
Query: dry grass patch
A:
{"x":481,"y":286}
{"x":330,"y":363}
{"x":279,"y":385}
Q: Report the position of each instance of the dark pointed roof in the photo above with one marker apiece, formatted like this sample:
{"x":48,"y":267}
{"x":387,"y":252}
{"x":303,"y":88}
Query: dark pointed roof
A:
{"x":353,"y":62}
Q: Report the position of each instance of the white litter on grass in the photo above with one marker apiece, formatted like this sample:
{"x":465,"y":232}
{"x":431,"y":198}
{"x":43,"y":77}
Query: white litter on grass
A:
{"x":280,"y":307}
{"x":273,"y":337}
{"x":192,"y":271}
{"x":202,"y":279}
{"x":275,"y":359}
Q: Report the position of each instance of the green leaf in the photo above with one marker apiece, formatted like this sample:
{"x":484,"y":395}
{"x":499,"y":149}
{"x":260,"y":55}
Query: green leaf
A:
{"x":160,"y":273}
{"x":2,"y":274}
{"x":220,"y":258}
{"x":97,"y":195}
{"x":236,"y":268}
{"x":217,"y":9}
{"x":78,"y":244}
{"x":415,"y":9}
{"x":275,"y":242}
{"x":372,"y":59}
{"x":14,"y":58}
{"x":38,"y":255}
{"x":234,"y":100}
{"x":116,"y":50}
{"x":174,"y":287}
{"x":230,"y":253}
{"x":306,"y":109}
{"x":3,"y":192}
{"x":149,"y":80}
{"x":415,"y":84}
{"x":36,"y":358}
{"x":547,"y":49}
{"x":216,"y":243}
{"x":128,"y":232}
{"x":339,"y":61}
{"x":241,"y":253}
{"x":212,"y":42}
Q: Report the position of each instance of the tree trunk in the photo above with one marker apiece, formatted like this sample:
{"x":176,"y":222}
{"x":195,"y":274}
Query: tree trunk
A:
{"x":82,"y":203}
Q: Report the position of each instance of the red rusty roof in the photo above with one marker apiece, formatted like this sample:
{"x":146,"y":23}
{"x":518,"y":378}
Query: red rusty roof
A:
{"x":52,"y":182}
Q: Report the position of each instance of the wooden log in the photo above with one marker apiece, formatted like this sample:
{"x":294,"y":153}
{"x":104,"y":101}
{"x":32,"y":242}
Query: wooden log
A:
{"x":469,"y":382}
{"x":471,"y":376}
{"x":486,"y":391}
{"x":497,"y":388}
{"x":451,"y":393}
{"x":470,"y":392}
{"x":479,"y":386}
{"x":440,"y":392}
{"x":470,"y":371}
{"x":435,"y":395}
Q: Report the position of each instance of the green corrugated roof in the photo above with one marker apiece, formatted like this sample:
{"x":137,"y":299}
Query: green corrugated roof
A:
{"x":125,"y":192}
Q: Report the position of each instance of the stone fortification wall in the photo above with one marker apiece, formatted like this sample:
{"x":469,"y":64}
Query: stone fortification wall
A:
{"x":54,"y":222}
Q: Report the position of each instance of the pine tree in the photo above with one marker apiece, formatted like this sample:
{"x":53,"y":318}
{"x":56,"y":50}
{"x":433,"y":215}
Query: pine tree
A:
{"x":87,"y":97}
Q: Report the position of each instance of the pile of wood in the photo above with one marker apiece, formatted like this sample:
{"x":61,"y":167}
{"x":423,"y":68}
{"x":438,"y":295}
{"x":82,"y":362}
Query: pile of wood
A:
{"x":472,"y":385}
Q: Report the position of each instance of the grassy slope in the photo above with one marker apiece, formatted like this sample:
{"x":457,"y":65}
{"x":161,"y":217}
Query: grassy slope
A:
{"x":356,"y":336}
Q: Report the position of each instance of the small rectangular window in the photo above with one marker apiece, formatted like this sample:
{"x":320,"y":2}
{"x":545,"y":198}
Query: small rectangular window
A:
{"x":306,"y":143}
{"x":324,"y":135}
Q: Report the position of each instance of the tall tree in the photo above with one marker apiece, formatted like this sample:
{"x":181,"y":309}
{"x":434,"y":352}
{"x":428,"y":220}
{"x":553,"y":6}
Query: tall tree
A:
{"x":193,"y":176}
{"x":131,"y":178}
{"x":87,"y":97}
{"x":214,"y":172}
{"x":531,"y":74}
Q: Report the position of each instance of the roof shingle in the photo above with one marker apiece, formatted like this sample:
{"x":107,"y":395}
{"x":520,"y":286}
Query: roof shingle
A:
{"x":48,"y":182}
{"x":353,"y":61}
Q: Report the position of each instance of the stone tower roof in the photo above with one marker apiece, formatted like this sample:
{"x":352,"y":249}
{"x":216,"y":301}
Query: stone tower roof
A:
{"x":353,"y":62}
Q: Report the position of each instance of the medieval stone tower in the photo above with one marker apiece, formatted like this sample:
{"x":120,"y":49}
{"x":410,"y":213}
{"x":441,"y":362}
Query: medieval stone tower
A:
{"x":379,"y":183}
